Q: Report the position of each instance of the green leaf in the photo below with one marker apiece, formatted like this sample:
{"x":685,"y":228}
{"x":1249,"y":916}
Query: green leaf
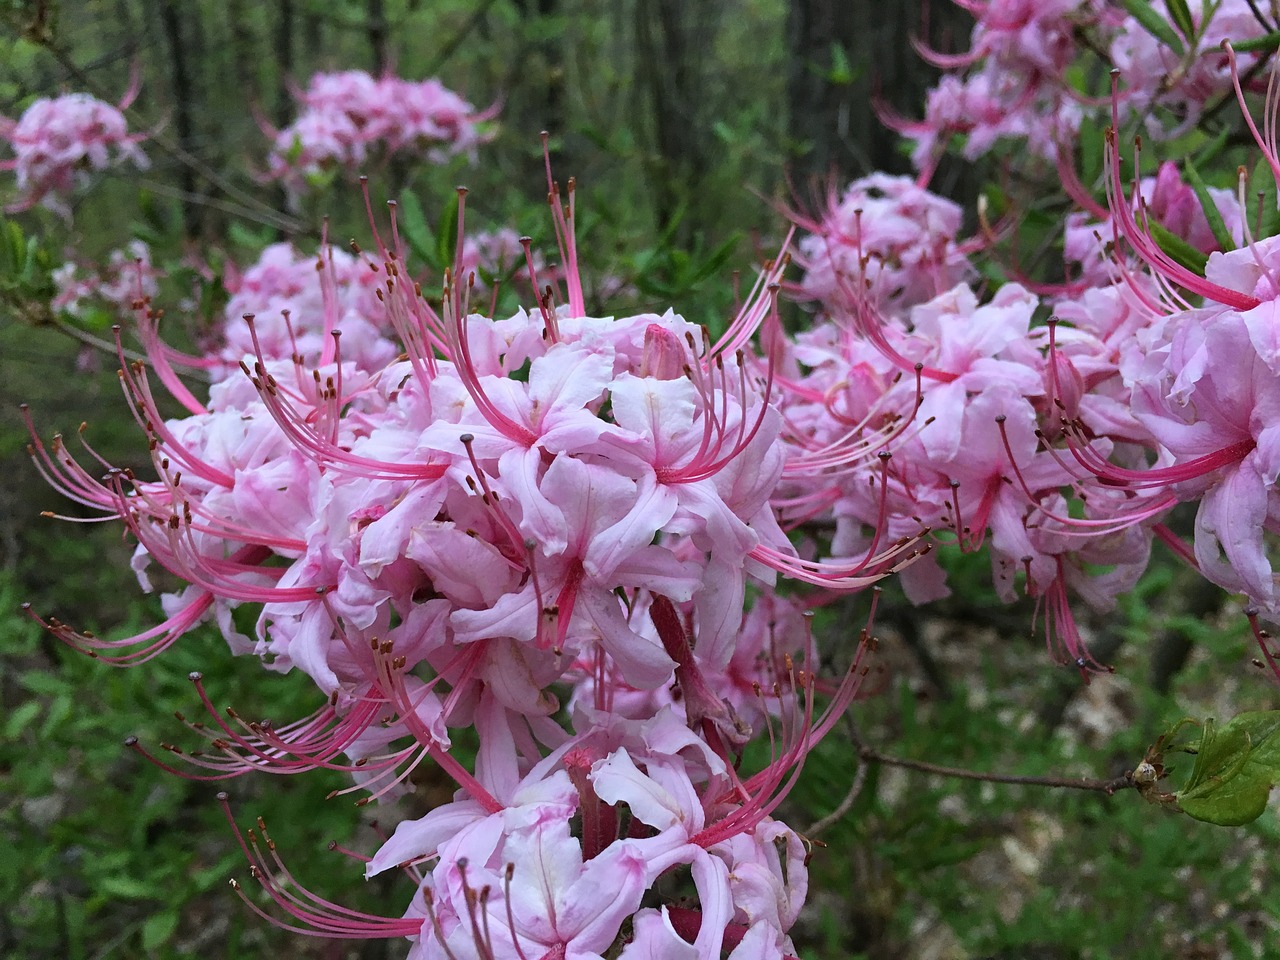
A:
{"x":45,"y":684}
{"x":1270,"y":42}
{"x":1236,"y":767}
{"x":447,"y":238}
{"x":841,"y":72}
{"x":1181,"y":15}
{"x":158,"y":929}
{"x":714,"y":261}
{"x":1211,"y":211}
{"x":1177,"y":248}
{"x":1093,"y":150}
{"x":412,"y":223}
{"x":1154,"y":24}
{"x":20,"y":719}
{"x":1260,"y":199}
{"x":126,"y":888}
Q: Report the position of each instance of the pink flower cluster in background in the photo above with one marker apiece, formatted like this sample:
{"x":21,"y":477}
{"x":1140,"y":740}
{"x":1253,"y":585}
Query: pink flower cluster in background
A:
{"x":1019,"y":80}
{"x":57,"y":141}
{"x":350,"y":118}
{"x":128,"y":277}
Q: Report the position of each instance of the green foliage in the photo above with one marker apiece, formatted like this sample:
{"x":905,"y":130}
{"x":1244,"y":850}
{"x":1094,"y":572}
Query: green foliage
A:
{"x":101,"y":854}
{"x":1178,"y":249}
{"x":1236,"y":766}
{"x":946,"y":867}
{"x":1269,"y":42}
{"x":1180,"y":13}
{"x":1264,"y":218}
{"x":26,"y":272}
{"x":1211,"y":212}
{"x":1155,"y":24}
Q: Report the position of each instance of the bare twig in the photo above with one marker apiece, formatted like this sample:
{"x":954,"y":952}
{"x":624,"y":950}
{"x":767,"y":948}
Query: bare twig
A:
{"x":855,"y":788}
{"x":869,"y":754}
{"x":85,"y":337}
{"x":1125,"y":782}
{"x":203,"y":199}
{"x":455,"y":42}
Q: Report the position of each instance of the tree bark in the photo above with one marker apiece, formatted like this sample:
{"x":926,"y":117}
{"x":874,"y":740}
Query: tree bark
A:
{"x":672,"y":38}
{"x":537,"y":82}
{"x":842,"y":55}
{"x":183,"y":110}
{"x":284,"y":59}
{"x":377,"y":29}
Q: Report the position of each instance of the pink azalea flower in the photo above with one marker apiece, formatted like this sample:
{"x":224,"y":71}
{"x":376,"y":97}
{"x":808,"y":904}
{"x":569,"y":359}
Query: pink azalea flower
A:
{"x":58,"y":140}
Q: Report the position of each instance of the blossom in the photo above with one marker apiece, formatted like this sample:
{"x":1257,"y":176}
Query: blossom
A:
{"x":58,"y":140}
{"x":349,"y":116}
{"x":126,"y":278}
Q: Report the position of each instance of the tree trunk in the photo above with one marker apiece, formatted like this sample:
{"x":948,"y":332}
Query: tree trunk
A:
{"x":844,"y":53}
{"x":183,"y":111}
{"x":672,"y":38}
{"x":536,"y":80}
{"x":284,"y":59}
{"x":376,"y":27}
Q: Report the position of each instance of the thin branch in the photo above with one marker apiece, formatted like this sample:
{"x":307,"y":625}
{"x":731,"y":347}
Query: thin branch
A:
{"x":855,"y":788}
{"x":87,"y":338}
{"x":1257,"y":15}
{"x":266,"y":213}
{"x":1125,"y":782}
{"x":1230,"y":97}
{"x":204,"y":199}
{"x":455,"y":42}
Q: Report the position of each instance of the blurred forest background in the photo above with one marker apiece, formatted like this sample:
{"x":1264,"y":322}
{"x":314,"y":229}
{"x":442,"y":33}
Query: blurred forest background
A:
{"x":689,"y":126}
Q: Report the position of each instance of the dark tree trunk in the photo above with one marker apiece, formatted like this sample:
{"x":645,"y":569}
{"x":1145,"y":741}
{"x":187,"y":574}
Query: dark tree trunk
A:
{"x":377,"y":29}
{"x":245,"y":58}
{"x":312,"y":30}
{"x":183,"y":110}
{"x":536,"y":82}
{"x":844,"y":53}
{"x":672,"y":38}
{"x":284,"y":59}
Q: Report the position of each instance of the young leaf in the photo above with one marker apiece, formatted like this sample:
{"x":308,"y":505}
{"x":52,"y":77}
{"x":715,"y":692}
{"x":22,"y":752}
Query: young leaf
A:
{"x":1210,"y":151}
{"x":158,"y":929}
{"x":1154,"y":24}
{"x":1211,"y":211}
{"x":1236,"y":767}
{"x":841,"y":72}
{"x":1177,"y":248}
{"x":1181,"y":15}
{"x":412,"y":223}
{"x":447,"y":239}
{"x":1261,"y":212}
{"x":1268,"y":43}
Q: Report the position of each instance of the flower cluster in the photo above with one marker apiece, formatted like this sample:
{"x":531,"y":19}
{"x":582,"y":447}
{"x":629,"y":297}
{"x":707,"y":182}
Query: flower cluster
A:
{"x":348,"y":117}
{"x":541,"y":527}
{"x":58,"y":140}
{"x":1019,"y":81}
{"x":127,"y":277}
{"x":1059,"y":446}
{"x":565,"y":533}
